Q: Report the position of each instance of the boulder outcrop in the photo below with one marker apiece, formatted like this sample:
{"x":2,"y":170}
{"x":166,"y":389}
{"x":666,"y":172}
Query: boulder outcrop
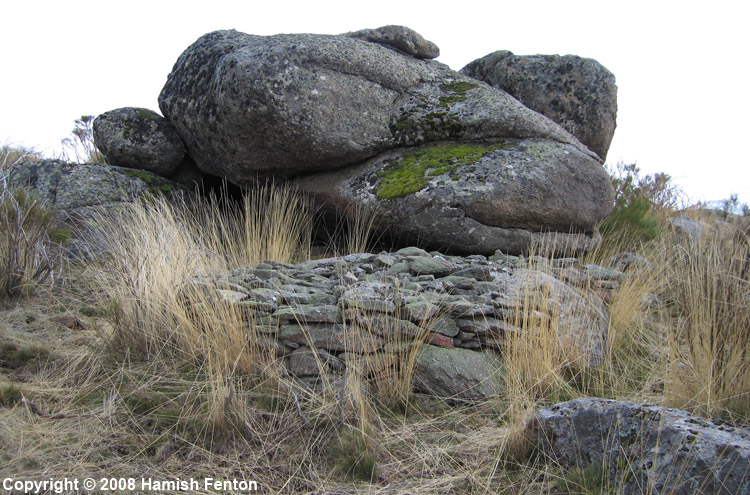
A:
{"x":643,"y":448}
{"x":365,"y":120}
{"x":75,"y":190}
{"x":577,"y":93}
{"x":138,"y":138}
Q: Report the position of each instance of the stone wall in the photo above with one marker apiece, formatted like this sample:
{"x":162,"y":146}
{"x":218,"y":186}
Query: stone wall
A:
{"x":328,"y":313}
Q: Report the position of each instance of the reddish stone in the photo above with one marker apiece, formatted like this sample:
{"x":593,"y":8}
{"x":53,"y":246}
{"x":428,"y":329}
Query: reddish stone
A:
{"x":440,"y":340}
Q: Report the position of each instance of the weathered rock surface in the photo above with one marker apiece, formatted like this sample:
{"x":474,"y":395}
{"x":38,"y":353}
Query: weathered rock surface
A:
{"x":475,"y":198}
{"x":577,"y":93}
{"x":457,"y":373}
{"x":400,"y":38}
{"x":76,"y":190}
{"x":138,"y":138}
{"x":372,"y":308}
{"x":687,"y":227}
{"x":646,"y":449}
{"x":287,"y":104}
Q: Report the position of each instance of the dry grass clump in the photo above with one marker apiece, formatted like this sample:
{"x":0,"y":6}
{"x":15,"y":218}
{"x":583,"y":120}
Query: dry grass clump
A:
{"x":29,"y":232}
{"x":28,"y":255}
{"x":158,"y":247}
{"x":14,"y":155}
{"x":79,"y":147}
{"x":709,"y":290}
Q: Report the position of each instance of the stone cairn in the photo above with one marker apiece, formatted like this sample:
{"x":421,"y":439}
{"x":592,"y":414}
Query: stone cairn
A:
{"x":312,"y":313}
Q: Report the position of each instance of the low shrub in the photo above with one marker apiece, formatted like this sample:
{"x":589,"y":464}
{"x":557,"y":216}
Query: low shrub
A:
{"x":80,"y":147}
{"x":639,"y":203}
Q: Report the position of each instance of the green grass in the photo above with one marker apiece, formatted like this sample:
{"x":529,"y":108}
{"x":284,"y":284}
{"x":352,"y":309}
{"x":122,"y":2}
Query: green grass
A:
{"x":12,"y":356}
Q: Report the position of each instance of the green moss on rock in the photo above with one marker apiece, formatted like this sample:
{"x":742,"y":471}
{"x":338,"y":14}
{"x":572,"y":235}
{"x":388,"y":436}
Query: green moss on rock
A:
{"x":143,"y":114}
{"x":144,"y":176}
{"x":458,"y":88}
{"x":413,"y":171}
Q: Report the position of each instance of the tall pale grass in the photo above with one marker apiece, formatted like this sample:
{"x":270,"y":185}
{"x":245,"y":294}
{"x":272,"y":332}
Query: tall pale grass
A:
{"x":710,"y":342}
{"x":389,"y":372}
{"x":156,"y":248}
{"x":541,"y":358}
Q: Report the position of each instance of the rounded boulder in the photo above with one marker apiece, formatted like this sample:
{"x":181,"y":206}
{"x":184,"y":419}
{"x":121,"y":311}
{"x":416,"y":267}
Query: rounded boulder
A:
{"x":138,"y":138}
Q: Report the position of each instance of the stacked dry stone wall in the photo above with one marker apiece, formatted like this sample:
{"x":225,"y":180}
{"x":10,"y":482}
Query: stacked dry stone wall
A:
{"x":326,"y":314}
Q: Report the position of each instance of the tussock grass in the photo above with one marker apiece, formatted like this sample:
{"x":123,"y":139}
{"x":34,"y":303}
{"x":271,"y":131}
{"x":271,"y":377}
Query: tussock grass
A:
{"x":353,"y":231}
{"x":709,"y":290}
{"x":28,"y":255}
{"x":14,"y":155}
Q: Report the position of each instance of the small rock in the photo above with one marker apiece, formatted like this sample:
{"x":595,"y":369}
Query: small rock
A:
{"x":456,"y":373}
{"x":687,"y":227}
{"x":402,"y":39}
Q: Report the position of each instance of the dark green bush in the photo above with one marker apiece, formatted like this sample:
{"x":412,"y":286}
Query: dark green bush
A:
{"x":10,"y":395}
{"x":638,"y":201}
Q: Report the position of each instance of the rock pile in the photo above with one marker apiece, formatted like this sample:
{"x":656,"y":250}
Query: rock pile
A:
{"x":329,"y":312}
{"x":365,"y":120}
{"x":643,"y":448}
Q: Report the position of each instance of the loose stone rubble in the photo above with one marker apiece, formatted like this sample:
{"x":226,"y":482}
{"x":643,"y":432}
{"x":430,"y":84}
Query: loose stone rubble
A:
{"x":322,"y":315}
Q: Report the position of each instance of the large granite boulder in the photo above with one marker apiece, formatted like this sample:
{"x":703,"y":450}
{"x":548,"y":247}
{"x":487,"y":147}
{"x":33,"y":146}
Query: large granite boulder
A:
{"x":138,"y":138}
{"x":577,"y":93}
{"x":475,"y":198}
{"x":288,"y":104}
{"x":643,"y":448}
{"x":351,"y":117}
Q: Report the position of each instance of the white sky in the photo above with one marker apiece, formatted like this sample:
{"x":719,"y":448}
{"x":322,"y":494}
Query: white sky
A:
{"x":681,"y":67}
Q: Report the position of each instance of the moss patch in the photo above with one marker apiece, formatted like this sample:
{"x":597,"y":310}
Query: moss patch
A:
{"x":458,"y":88}
{"x":157,"y":185}
{"x":144,"y":176}
{"x":143,"y":114}
{"x":416,"y":167}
